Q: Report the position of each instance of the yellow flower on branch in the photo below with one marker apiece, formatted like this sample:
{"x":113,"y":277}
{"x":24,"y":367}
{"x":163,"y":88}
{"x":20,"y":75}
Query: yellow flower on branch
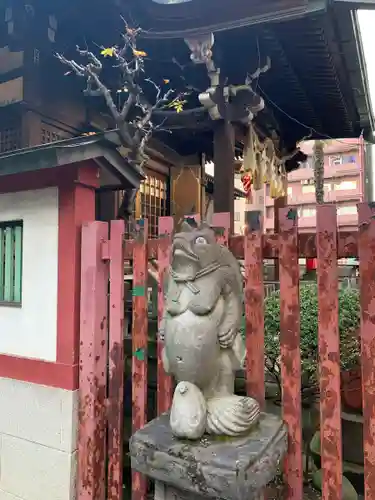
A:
{"x":177,"y":104}
{"x":139,"y":53}
{"x":108,"y":52}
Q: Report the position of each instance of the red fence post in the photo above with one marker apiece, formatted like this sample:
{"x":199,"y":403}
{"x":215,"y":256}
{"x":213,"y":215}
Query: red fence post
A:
{"x":164,"y":396}
{"x":139,"y":343}
{"x":93,"y":363}
{"x":329,"y":352}
{"x":254,"y":310}
{"x":116,"y":361}
{"x":366,"y":252}
{"x":290,"y":349}
{"x":221,"y":220}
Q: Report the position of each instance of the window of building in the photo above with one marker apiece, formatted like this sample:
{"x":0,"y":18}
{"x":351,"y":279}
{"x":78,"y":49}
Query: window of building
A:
{"x":237,"y":216}
{"x":351,"y":158}
{"x":342,"y":159}
{"x":335,"y":160}
{"x":269,"y":212}
{"x":327,"y":187}
{"x":153,"y":193}
{"x":10,"y":139}
{"x":345,"y":185}
{"x":49,"y":136}
{"x":309,"y":188}
{"x":11,"y":262}
{"x":347,"y":210}
{"x":307,"y":212}
{"x":151,"y":203}
{"x":290,"y":190}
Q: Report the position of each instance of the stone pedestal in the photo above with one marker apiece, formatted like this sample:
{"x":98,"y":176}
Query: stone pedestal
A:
{"x":221,"y":467}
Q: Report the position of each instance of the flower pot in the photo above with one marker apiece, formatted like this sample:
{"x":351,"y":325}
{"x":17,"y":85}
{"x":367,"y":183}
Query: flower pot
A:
{"x":351,"y":389}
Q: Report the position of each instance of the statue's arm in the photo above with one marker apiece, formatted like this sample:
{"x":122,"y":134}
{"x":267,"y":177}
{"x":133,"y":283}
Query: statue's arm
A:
{"x":162,"y":325}
{"x":161,"y":329}
{"x":229,"y":328}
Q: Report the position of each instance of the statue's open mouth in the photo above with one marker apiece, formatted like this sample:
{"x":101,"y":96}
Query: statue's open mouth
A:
{"x":182,"y":253}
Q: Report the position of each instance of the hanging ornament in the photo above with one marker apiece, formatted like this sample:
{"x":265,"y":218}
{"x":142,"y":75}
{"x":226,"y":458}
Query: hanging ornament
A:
{"x":273,"y":190}
{"x":259,"y":164}
{"x":249,"y":159}
{"x":269,"y":158}
{"x":247,"y":184}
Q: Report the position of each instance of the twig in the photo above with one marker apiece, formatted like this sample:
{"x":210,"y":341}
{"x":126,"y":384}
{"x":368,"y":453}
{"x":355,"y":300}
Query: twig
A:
{"x":134,"y":134}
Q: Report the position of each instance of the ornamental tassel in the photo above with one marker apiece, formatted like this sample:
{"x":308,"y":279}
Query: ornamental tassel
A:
{"x":247,"y":183}
{"x":249,"y":164}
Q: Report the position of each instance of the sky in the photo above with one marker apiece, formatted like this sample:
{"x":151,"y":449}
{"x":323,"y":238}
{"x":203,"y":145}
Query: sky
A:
{"x":366,"y":19}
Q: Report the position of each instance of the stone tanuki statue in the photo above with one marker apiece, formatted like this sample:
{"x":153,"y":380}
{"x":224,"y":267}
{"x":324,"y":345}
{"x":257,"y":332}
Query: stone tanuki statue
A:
{"x":202,"y":344}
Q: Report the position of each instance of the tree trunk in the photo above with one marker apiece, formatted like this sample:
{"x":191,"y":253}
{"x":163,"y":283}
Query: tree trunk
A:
{"x":318,"y":158}
{"x":318,"y":165}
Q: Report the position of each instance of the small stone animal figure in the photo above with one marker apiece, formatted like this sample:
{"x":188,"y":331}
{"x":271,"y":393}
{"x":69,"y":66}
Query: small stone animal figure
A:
{"x":202,"y":344}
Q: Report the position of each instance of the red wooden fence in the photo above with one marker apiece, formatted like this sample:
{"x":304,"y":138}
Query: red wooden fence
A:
{"x":102,"y":351}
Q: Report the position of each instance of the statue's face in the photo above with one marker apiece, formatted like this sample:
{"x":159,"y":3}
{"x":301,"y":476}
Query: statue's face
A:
{"x":193,"y":249}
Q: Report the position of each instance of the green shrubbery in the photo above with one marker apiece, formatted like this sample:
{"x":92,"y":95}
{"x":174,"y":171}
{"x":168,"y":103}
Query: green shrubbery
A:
{"x":349,"y":318}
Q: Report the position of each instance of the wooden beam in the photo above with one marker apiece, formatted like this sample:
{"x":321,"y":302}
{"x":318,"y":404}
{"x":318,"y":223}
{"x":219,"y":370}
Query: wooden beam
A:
{"x":106,"y":205}
{"x":347,"y":246}
{"x":279,"y":203}
{"x":224,"y":169}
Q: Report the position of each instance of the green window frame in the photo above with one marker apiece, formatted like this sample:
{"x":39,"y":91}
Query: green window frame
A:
{"x":11,"y":242}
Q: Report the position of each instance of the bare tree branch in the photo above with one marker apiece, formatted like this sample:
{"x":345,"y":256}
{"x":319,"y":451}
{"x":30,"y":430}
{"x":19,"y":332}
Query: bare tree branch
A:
{"x":133,"y":114}
{"x":130,"y":63}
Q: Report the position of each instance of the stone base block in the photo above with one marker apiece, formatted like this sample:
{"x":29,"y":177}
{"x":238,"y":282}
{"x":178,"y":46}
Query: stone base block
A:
{"x":213,"y":467}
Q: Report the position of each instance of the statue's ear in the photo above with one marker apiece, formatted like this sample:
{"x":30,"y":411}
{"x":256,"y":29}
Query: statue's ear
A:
{"x":186,"y":227}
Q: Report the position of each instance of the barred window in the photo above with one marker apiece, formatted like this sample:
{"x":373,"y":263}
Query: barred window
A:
{"x":49,"y":136}
{"x":151,"y":203}
{"x":11,"y":262}
{"x":153,"y":192}
{"x":10,"y":139}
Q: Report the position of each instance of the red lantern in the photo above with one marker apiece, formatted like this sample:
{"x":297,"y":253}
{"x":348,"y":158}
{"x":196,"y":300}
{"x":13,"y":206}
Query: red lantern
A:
{"x":311,"y":264}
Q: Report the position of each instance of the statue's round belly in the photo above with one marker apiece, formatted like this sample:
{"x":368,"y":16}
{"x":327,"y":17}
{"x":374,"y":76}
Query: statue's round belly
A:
{"x":192,"y":347}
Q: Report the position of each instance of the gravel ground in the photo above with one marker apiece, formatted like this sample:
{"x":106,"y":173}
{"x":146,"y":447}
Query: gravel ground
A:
{"x":274,"y":491}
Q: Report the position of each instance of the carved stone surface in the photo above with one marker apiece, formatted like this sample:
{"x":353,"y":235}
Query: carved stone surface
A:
{"x":202,"y":344}
{"x":213,"y":467}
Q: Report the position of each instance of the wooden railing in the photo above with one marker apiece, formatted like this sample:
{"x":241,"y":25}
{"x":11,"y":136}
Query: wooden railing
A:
{"x":102,"y":353}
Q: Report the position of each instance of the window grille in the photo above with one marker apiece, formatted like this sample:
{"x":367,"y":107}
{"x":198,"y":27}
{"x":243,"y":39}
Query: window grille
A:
{"x":11,"y":262}
{"x":151,"y":203}
{"x":49,"y":136}
{"x":10,"y":139}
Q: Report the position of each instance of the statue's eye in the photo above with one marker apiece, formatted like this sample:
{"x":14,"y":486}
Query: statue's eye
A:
{"x":201,"y":241}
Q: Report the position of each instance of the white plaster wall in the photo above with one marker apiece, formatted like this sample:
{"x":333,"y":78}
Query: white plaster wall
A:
{"x":38,"y":442}
{"x":31,"y":330}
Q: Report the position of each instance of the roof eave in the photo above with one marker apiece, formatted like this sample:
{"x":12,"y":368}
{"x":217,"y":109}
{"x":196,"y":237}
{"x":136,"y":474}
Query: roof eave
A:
{"x":68,"y":152}
{"x":363,"y":69}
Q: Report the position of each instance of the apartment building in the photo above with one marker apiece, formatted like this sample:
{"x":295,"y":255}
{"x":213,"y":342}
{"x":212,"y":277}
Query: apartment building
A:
{"x":344,"y":185}
{"x":348,"y":172}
